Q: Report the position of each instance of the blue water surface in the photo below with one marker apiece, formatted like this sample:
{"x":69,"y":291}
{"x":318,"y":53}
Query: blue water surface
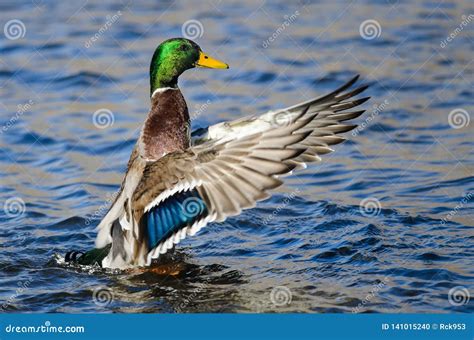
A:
{"x":384,"y":224}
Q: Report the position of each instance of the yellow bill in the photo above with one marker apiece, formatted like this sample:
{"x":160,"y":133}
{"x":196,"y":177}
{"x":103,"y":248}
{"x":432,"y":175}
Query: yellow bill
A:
{"x":206,"y":61}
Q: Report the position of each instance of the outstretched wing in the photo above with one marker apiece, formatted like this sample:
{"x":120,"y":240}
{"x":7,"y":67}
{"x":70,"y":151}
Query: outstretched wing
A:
{"x":330,"y":115}
{"x":184,"y":191}
{"x":230,"y":167}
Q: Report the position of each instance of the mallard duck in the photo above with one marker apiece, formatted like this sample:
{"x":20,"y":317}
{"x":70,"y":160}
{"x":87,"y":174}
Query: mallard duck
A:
{"x":177,"y":182}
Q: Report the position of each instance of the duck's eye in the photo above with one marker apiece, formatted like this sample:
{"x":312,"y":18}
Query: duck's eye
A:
{"x":183,"y":48}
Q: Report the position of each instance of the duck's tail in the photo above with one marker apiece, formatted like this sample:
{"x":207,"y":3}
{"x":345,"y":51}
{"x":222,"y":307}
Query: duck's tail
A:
{"x":90,"y":258}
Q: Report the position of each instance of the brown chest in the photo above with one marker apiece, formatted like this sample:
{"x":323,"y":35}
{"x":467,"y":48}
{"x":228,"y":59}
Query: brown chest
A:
{"x":166,"y":128}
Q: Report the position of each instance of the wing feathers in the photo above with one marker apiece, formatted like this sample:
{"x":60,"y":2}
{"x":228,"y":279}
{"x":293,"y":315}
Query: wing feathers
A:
{"x":235,"y":164}
{"x":342,"y":117}
{"x":344,"y":96}
{"x":348,"y":105}
{"x":327,"y":98}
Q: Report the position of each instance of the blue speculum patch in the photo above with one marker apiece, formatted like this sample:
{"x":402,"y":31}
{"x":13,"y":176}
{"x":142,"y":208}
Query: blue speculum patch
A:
{"x":173,"y":214}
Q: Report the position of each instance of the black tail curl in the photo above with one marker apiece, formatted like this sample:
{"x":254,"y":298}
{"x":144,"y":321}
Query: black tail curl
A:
{"x":90,"y":258}
{"x":73,"y":256}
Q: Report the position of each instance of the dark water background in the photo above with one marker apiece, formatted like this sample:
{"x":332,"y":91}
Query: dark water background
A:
{"x":311,"y":243}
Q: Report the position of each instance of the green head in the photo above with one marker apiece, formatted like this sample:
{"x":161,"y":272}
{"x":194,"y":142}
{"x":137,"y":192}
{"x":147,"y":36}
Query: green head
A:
{"x":173,"y":57}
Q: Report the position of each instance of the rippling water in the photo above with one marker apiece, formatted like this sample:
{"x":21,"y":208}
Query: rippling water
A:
{"x":310,"y":248}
